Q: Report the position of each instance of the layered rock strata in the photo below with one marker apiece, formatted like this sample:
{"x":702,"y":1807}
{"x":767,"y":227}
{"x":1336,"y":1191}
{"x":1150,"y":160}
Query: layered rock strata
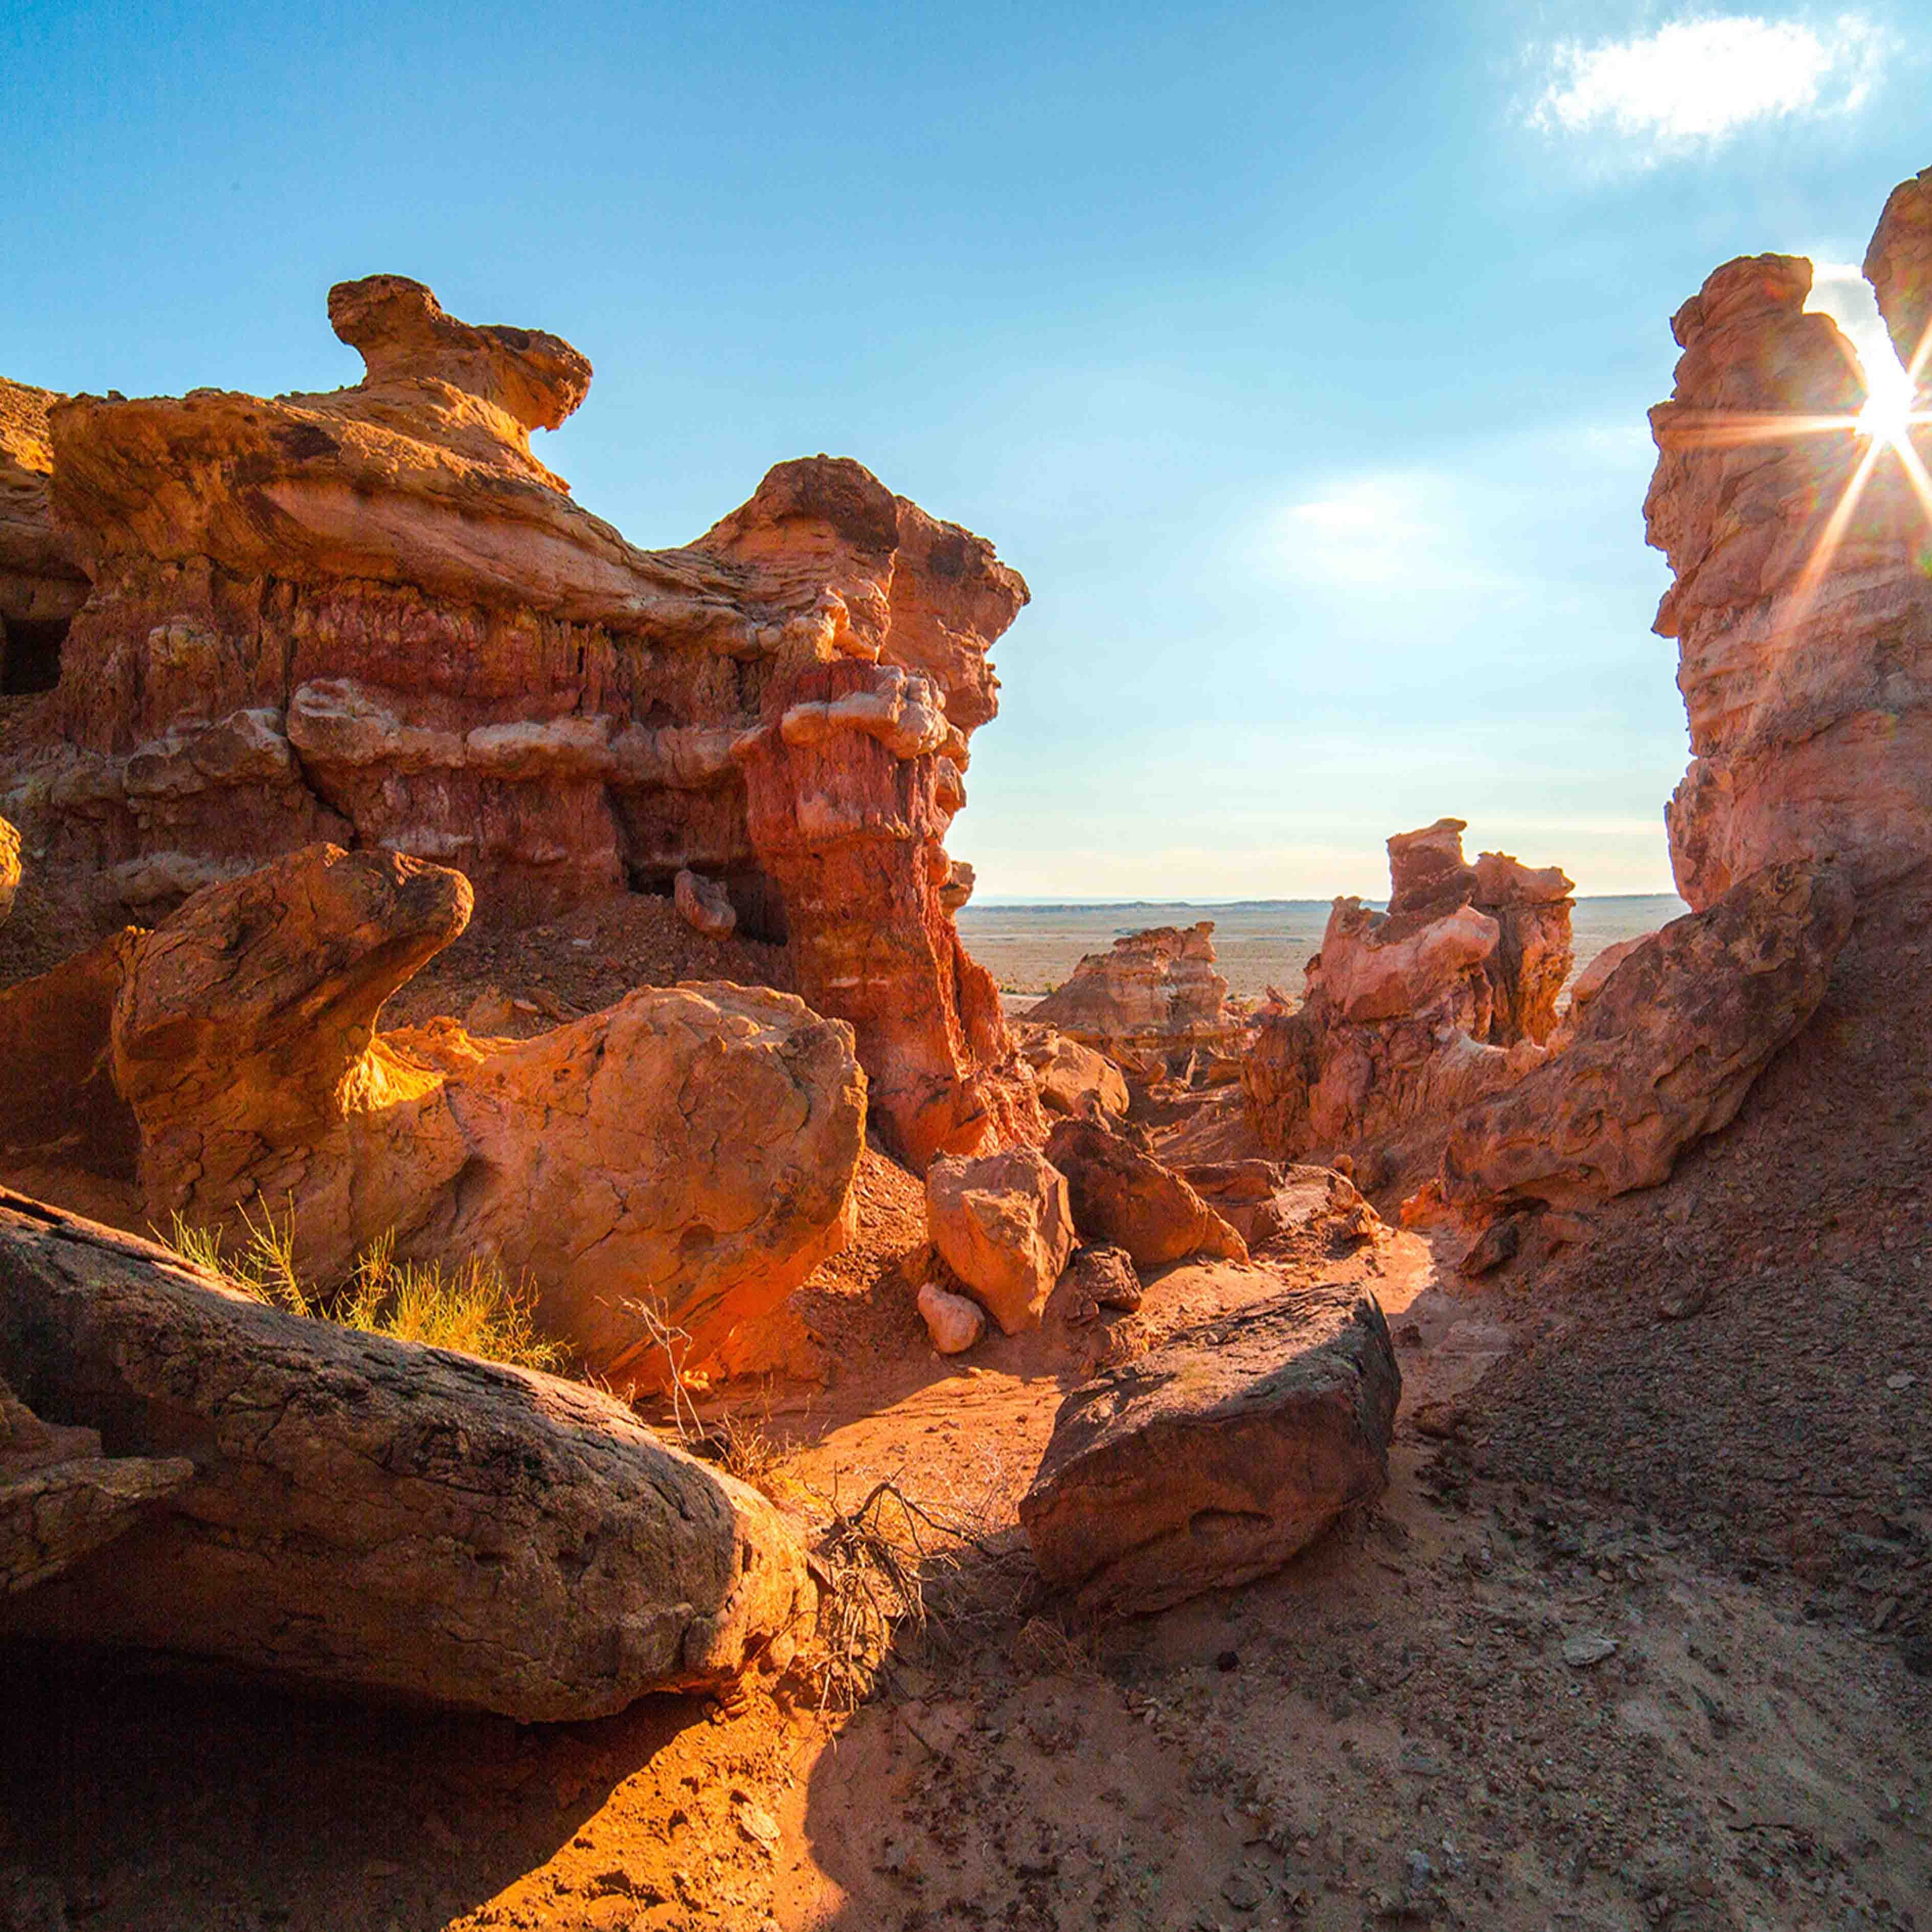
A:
{"x":692,"y":1147}
{"x":1149,"y":1003}
{"x":1412,"y":1014}
{"x":1663,"y":1053}
{"x":373,"y":617}
{"x":351,"y":1512}
{"x":1218,"y":1457}
{"x":1800,"y":608}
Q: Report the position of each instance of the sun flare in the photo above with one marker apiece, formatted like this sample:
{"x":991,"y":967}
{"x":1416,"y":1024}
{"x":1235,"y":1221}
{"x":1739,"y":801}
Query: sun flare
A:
{"x":1887,"y":414}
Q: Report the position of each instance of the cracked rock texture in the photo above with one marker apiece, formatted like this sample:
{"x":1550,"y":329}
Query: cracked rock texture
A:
{"x":1215,"y":1458}
{"x":362,"y":1513}
{"x":373,"y":617}
{"x":1800,"y":608}
{"x":692,"y":1147}
{"x":10,"y":868}
{"x":1663,"y":1052}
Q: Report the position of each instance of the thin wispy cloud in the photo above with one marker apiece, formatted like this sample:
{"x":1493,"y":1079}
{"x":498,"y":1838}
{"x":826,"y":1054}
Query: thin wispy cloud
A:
{"x":1698,"y":83}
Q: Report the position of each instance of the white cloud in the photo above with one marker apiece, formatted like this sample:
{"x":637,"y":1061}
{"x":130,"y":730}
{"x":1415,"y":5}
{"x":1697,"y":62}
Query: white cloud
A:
{"x":1697,"y":83}
{"x":1397,"y":532}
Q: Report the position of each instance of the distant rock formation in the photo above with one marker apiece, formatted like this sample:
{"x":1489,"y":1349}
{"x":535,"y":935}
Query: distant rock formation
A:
{"x":1149,"y":1002}
{"x":692,"y":1147}
{"x":1663,"y":1052}
{"x":1801,"y":607}
{"x":373,"y":617}
{"x":1410,"y":1015}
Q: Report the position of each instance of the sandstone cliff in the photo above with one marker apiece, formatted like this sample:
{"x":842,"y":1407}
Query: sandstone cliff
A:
{"x":373,"y":617}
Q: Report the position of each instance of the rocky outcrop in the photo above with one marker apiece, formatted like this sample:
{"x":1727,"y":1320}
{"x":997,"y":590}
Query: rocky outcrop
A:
{"x":1215,"y":1458}
{"x":1150,"y":1003}
{"x":1802,"y":616}
{"x":41,"y":585}
{"x":1072,"y":1078}
{"x":373,"y":617}
{"x":370,"y":1515}
{"x":1412,"y":1014}
{"x":61,"y":1105}
{"x":1663,"y":1053}
{"x":1003,"y":1224}
{"x":1126,"y":1198}
{"x":692,"y":1146}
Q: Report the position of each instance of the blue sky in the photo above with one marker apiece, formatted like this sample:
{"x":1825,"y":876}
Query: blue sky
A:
{"x":1298,"y":356}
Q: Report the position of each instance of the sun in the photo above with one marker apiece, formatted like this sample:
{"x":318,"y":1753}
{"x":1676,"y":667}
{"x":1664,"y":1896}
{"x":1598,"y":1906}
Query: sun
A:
{"x":1888,"y":414}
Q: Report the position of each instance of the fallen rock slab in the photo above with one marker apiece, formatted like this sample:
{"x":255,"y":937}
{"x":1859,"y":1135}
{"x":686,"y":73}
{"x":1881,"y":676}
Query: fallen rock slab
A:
{"x":372,"y":1515}
{"x":1125,"y":1198}
{"x":1665,"y":1052}
{"x":1213,"y":1459}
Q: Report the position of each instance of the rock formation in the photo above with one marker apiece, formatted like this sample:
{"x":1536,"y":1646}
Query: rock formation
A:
{"x":1411,"y":1014}
{"x":1126,"y":1198}
{"x":693,"y":1146}
{"x":1802,"y":614}
{"x":1003,"y":1224}
{"x":704,"y":905}
{"x":1150,"y":1003}
{"x":954,"y":1321}
{"x":1217,"y":1457}
{"x":1665,"y":1051}
{"x":41,"y":586}
{"x":373,"y":617}
{"x":370,"y":1514}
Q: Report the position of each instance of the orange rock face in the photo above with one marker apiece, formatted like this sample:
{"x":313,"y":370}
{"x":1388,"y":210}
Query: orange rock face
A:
{"x":373,"y":617}
{"x":41,"y":586}
{"x":1802,"y":614}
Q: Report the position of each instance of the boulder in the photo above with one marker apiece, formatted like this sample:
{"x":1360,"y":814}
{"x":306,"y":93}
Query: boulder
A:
{"x":954,"y":1321}
{"x":373,"y":617}
{"x":1213,"y":1460}
{"x":1151,"y":1001}
{"x":1072,"y":1078}
{"x":62,"y":1105}
{"x":1126,"y":1198}
{"x":366,"y":1515}
{"x":1666,"y":1051}
{"x":1099,"y":1276}
{"x":1003,"y":1224}
{"x":694,"y":1145}
{"x":1800,"y":606}
{"x":704,"y":905}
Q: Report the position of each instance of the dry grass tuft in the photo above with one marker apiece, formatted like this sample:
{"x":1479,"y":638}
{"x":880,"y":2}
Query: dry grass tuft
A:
{"x":471,"y":1308}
